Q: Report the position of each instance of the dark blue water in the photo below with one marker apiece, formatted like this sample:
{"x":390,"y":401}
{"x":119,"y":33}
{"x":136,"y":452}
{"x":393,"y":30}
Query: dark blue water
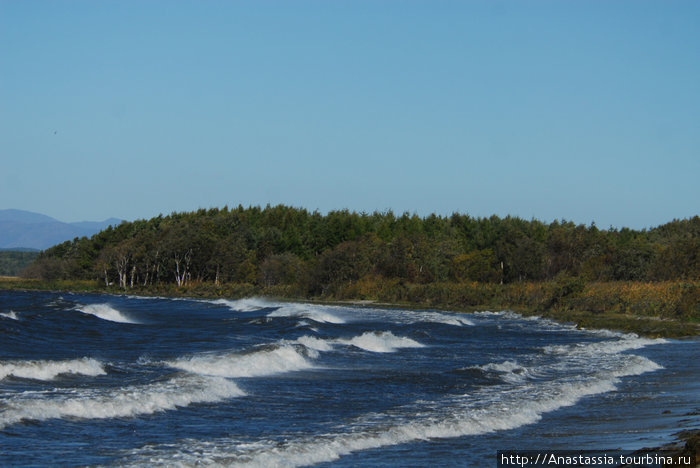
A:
{"x":108,"y":380}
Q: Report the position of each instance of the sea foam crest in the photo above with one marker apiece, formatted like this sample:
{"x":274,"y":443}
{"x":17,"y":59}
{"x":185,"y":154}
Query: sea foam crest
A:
{"x":447,"y":319}
{"x":245,"y":305}
{"x":11,"y":315}
{"x":106,"y":312}
{"x":623,"y":343}
{"x":381,"y":342}
{"x":118,"y":403}
{"x":317,"y":344}
{"x":521,"y":405}
{"x":277,"y":360}
{"x":48,"y":370}
{"x":470,"y":414}
{"x":313,"y":312}
{"x":508,"y":371}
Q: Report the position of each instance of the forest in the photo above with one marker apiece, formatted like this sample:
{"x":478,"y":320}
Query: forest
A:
{"x":319,"y":255}
{"x":13,"y":261}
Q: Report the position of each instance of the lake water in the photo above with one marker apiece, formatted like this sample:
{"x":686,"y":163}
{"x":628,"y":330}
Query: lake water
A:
{"x":126,"y":381}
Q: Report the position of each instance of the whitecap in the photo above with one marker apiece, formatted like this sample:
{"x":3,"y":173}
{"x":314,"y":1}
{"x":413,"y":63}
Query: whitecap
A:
{"x":279,"y":359}
{"x":447,"y":319}
{"x":381,"y":342}
{"x":117,"y":403}
{"x":11,"y":315}
{"x":318,"y":344}
{"x":250,"y":304}
{"x":508,"y":371}
{"x":313,"y":312}
{"x":106,"y":312}
{"x":49,"y":370}
{"x":477,"y":414}
{"x":624,"y":343}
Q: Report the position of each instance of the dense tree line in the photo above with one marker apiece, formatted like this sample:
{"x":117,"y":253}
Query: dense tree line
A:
{"x":14,"y":261}
{"x":282,"y":245}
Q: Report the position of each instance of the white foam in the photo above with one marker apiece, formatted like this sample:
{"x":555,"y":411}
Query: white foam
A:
{"x":318,"y":344}
{"x":447,"y":319}
{"x":118,"y":403}
{"x":277,"y":360}
{"x":106,"y":312}
{"x":468,"y":415}
{"x":491,"y":313}
{"x":505,"y":366}
{"x":11,"y":315}
{"x":245,"y":305}
{"x":597,"y":369}
{"x":313,"y":312}
{"x":624,"y":343}
{"x":508,"y":371}
{"x":48,"y":370}
{"x":286,"y":356}
{"x":317,"y":313}
{"x":384,"y":342}
{"x":633,"y":365}
{"x":602,"y":332}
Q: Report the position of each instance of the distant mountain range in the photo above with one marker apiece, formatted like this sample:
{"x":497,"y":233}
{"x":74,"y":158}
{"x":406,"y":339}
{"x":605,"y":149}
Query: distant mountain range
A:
{"x":24,"y":230}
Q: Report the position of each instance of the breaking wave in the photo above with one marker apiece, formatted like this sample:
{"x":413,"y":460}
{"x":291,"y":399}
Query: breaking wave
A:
{"x":49,"y":370}
{"x":333,"y":314}
{"x":287,"y":356}
{"x":245,"y":305}
{"x":11,"y":315}
{"x":462,"y":415}
{"x":315,"y":343}
{"x":447,"y":319}
{"x":508,"y":371}
{"x":384,"y":342}
{"x":310,"y":311}
{"x":277,"y":360}
{"x":313,"y":312}
{"x":624,"y":343}
{"x":106,"y":312}
{"x":120,"y":403}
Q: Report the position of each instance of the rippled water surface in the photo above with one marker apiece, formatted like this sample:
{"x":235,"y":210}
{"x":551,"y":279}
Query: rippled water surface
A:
{"x":109,"y":380}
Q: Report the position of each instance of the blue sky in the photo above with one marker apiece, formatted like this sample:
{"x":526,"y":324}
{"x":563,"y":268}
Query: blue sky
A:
{"x":582,"y":110}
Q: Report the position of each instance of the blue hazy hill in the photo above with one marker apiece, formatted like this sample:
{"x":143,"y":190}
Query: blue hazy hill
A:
{"x":26,"y":230}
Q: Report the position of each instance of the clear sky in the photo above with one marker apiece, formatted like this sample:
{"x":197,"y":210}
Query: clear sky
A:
{"x":582,"y":110}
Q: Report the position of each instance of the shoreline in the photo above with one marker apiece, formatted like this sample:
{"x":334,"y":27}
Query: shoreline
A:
{"x":686,"y":441}
{"x":650,"y":326}
{"x":686,"y":444}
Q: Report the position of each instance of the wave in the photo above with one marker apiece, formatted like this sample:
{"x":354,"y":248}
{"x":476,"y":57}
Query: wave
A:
{"x":623,"y":343}
{"x":473,"y":414}
{"x":279,"y":359}
{"x":119,"y":403}
{"x":381,"y":342}
{"x":317,"y":344}
{"x":245,"y":305}
{"x":376,"y":342}
{"x":312,"y":312}
{"x":11,"y":315}
{"x":508,"y":371}
{"x":447,"y":319}
{"x":330,"y":314}
{"x":282,"y":309}
{"x":286,"y":356}
{"x":480,"y":412}
{"x":49,"y":370}
{"x":106,"y":312}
